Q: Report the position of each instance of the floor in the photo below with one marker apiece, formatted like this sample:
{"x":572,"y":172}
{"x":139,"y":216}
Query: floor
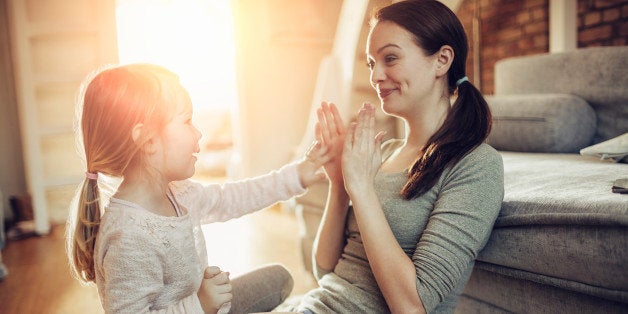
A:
{"x":39,"y":280}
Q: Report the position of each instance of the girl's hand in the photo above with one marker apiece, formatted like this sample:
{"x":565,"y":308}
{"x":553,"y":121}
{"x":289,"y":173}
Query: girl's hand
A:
{"x":215,"y":289}
{"x":326,"y":150}
{"x":317,"y":155}
{"x":331,"y":131}
{"x":361,"y":157}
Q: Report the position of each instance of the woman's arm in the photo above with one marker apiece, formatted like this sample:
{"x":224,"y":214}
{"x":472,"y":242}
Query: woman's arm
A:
{"x":329,"y":242}
{"x":460,"y":223}
{"x":393,"y":270}
{"x":330,"y":238}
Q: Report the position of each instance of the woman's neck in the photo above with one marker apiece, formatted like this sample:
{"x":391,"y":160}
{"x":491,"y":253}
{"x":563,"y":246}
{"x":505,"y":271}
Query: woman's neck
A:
{"x":423,"y":124}
{"x":419,"y":128}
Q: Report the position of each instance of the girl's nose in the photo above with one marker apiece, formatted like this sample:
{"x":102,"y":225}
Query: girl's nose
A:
{"x":198,"y":133}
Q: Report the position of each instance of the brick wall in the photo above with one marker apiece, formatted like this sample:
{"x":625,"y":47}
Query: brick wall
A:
{"x":602,"y":23}
{"x":521,"y":27}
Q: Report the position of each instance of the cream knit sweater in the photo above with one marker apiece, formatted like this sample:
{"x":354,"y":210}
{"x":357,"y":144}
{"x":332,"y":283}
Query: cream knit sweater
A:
{"x":150,"y":263}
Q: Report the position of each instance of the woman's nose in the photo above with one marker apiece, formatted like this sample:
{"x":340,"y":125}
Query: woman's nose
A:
{"x":377,"y":75}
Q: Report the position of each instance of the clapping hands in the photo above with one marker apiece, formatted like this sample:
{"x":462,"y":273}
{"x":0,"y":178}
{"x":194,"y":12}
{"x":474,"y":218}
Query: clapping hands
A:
{"x":354,"y":155}
{"x":361,"y":155}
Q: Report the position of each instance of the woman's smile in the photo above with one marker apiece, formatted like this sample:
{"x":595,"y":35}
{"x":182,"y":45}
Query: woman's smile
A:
{"x":385,"y":92}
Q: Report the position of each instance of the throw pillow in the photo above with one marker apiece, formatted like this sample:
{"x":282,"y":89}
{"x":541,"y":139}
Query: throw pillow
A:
{"x":614,"y":149}
{"x":546,"y":123}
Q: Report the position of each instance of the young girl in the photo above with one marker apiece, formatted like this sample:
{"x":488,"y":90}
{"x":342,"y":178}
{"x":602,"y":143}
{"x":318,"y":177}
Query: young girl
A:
{"x":147,"y":251}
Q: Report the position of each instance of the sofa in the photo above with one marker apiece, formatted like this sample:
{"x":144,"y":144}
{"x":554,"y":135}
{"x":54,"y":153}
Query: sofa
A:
{"x":560,"y":243}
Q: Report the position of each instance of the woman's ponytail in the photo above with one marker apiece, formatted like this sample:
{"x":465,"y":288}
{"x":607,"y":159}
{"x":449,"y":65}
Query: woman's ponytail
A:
{"x":467,"y":125}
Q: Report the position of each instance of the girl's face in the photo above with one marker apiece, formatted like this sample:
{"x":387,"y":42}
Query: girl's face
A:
{"x":178,"y":142}
{"x":401,"y":72}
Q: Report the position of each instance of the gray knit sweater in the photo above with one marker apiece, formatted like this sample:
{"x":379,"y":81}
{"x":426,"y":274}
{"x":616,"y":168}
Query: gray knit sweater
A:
{"x":442,"y":232}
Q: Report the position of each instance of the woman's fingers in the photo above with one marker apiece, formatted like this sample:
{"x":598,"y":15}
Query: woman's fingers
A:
{"x":350,"y":136}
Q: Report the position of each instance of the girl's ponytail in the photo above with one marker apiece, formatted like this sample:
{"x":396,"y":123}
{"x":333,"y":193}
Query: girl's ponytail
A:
{"x":86,"y":229}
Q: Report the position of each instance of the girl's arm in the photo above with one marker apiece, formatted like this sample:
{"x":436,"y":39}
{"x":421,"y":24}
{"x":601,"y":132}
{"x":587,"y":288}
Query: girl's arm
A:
{"x":221,"y":202}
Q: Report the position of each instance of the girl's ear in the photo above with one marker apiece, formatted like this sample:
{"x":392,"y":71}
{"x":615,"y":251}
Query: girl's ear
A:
{"x":136,"y":132}
{"x":146,"y":144}
{"x":444,"y":58}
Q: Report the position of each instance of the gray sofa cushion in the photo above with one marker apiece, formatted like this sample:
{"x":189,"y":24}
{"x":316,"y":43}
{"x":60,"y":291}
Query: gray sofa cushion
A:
{"x":496,"y":289}
{"x":560,"y":219}
{"x":595,"y":74}
{"x":550,"y":123}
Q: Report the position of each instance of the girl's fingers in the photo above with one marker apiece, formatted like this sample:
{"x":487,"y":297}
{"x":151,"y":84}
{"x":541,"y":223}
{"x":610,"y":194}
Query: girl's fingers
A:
{"x":322,"y":124}
{"x":222,"y":278}
{"x":337,"y":118}
{"x":329,"y":119}
{"x":211,"y":271}
{"x":318,"y":133}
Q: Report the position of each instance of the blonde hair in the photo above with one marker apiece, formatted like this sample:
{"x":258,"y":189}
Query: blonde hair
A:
{"x":112,"y":101}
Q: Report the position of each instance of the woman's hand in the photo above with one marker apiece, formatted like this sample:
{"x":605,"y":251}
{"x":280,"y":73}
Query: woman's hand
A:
{"x":361,"y":157}
{"x":215,"y":289}
{"x":331,"y":131}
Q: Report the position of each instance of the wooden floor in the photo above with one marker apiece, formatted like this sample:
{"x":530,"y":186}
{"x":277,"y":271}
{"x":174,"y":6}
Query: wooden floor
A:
{"x":39,"y":280}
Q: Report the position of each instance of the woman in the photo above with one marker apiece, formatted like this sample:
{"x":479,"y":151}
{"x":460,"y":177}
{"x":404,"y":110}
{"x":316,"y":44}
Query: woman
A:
{"x":402,"y":235}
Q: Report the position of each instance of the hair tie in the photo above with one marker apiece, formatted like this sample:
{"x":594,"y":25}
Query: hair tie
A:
{"x":91,"y":176}
{"x":462,"y":80}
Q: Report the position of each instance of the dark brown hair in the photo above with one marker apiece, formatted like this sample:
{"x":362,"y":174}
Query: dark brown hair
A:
{"x":468,"y":122}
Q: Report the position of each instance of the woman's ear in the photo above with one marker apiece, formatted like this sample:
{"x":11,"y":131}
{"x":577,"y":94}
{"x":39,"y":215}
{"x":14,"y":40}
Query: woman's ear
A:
{"x":444,"y":58}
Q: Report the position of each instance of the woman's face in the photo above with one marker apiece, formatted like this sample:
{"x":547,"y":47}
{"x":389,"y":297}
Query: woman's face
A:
{"x":401,"y":72}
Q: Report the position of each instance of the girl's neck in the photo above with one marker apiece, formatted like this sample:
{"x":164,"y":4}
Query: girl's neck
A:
{"x":147,"y":193}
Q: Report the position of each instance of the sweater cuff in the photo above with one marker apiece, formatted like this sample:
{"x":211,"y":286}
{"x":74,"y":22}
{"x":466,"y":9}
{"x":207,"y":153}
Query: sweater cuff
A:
{"x":291,"y":175}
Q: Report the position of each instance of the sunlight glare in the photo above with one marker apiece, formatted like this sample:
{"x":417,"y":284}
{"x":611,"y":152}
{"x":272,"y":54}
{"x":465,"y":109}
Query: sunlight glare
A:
{"x":193,"y":38}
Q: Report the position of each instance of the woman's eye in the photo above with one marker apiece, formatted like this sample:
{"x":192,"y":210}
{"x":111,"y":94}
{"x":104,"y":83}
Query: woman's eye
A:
{"x":390,"y":59}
